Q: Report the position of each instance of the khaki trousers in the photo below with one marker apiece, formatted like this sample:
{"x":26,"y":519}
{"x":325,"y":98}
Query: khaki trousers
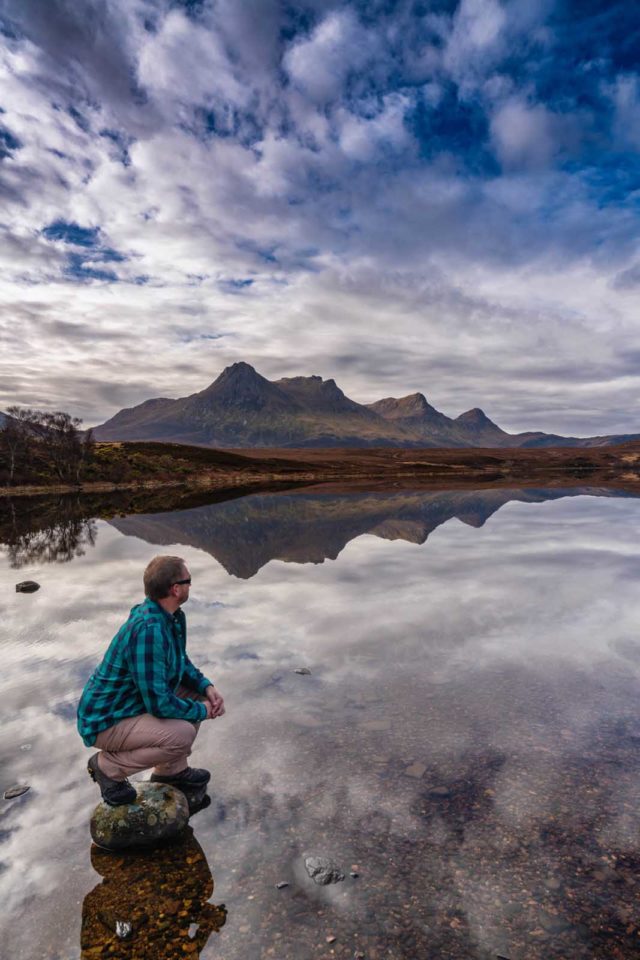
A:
{"x":138,"y":743}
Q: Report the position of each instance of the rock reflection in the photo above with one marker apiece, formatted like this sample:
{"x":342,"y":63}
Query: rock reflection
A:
{"x":151,"y":905}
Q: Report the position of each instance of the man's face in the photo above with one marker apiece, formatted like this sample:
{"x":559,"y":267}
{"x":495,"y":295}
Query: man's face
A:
{"x":182,"y":589}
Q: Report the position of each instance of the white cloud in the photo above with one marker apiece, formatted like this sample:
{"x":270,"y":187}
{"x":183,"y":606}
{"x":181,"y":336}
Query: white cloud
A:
{"x":523,"y":135}
{"x":185,"y":63}
{"x":318,"y":65}
{"x":362,"y":137}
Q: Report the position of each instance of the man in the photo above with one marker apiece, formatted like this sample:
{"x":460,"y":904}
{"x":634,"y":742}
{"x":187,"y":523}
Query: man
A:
{"x":143,"y":705}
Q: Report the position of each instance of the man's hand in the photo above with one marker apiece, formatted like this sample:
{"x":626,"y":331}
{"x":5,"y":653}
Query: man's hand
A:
{"x":214,"y":703}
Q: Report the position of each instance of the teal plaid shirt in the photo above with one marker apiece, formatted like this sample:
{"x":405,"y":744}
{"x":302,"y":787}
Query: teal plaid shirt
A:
{"x":144,"y":665}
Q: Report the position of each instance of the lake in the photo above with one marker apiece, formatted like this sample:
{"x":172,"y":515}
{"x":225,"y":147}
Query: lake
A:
{"x":466,"y":744}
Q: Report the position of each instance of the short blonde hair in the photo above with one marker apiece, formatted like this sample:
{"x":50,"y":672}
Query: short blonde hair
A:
{"x":160,"y":575}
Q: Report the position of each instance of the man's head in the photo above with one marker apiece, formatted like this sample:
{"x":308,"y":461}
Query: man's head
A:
{"x":167,"y":579}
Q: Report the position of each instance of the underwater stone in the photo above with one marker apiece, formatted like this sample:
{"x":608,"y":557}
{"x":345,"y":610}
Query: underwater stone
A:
{"x":303,"y":671}
{"x":123,"y":929}
{"x":159,"y":813}
{"x":323,"y":870}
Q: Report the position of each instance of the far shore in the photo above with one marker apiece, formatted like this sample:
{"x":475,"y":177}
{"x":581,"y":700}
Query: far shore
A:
{"x":168,"y":466}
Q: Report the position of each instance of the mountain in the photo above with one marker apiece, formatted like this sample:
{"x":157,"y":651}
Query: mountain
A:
{"x":244,"y":409}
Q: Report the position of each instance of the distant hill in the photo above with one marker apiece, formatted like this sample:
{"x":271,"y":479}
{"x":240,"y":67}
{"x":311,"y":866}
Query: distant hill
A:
{"x":244,"y":409}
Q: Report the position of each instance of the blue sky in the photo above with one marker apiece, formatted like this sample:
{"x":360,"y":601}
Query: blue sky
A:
{"x":405,"y":196}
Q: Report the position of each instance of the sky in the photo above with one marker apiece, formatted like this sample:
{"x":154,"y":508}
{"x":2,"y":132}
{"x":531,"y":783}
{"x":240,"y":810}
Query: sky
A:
{"x":405,"y":196}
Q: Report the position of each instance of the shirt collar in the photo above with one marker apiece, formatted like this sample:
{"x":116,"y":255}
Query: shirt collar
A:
{"x":151,"y":605}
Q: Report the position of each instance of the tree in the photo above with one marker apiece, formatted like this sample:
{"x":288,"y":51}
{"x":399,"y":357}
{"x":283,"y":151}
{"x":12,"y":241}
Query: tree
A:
{"x":54,"y":441}
{"x":15,"y":437}
{"x":60,"y":433}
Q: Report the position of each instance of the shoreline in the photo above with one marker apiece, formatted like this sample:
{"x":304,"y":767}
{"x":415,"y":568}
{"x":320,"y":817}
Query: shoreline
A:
{"x":203,"y":470}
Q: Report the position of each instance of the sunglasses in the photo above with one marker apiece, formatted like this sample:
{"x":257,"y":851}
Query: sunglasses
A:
{"x":180,"y":583}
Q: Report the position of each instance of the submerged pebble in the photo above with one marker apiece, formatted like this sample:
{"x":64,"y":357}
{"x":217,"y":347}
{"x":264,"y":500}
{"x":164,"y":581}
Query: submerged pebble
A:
{"x":323,"y":870}
{"x":303,"y":671}
{"x":439,"y":792}
{"x":416,"y":770}
{"x":123,"y":929}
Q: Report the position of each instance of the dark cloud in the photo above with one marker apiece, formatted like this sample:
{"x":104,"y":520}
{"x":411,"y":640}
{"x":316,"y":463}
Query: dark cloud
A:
{"x":93,"y":35}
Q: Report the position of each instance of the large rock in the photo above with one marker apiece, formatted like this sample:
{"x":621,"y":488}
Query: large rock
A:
{"x":323,"y":870}
{"x":159,"y":813}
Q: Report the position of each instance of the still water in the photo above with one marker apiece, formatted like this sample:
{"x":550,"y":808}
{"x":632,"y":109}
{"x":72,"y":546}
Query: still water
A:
{"x":467,"y":742}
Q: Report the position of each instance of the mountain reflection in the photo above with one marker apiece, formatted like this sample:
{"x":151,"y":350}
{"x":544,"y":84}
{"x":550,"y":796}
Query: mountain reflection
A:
{"x":243,"y":535}
{"x":162,"y":894}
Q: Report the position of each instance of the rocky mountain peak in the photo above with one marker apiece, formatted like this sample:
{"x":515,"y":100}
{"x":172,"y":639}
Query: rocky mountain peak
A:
{"x":240,"y":386}
{"x":392,"y":408}
{"x":476,"y":419}
{"x":240,"y":372}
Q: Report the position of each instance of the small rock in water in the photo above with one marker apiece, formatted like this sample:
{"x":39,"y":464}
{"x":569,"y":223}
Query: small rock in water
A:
{"x":376,"y":725}
{"x":416,"y":770}
{"x":554,"y":924}
{"x":27,"y":586}
{"x":123,"y":929}
{"x":323,"y":870}
{"x":15,"y":791}
{"x":303,"y":671}
{"x":439,"y":792}
{"x":159,"y":813}
{"x":282,"y":885}
{"x":330,"y":938}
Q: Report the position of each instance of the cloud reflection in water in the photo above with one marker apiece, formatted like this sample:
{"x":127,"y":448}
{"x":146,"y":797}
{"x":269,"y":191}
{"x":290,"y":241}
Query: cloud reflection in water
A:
{"x":500,"y":662}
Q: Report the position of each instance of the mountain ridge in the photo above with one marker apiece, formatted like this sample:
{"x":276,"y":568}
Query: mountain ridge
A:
{"x":241,"y":408}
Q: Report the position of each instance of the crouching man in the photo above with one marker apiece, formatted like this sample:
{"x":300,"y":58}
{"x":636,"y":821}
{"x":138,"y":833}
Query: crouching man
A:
{"x":143,"y":705}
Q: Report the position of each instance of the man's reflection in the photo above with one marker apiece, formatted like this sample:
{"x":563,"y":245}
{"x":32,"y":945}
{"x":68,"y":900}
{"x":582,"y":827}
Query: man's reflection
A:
{"x":158,"y":899}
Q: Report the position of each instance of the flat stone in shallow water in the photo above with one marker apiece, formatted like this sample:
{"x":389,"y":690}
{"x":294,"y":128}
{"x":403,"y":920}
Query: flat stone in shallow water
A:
{"x":159,"y":813}
{"x":27,"y":586}
{"x":15,"y":791}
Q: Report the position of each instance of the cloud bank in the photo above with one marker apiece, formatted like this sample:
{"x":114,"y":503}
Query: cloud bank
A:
{"x":438,"y":197}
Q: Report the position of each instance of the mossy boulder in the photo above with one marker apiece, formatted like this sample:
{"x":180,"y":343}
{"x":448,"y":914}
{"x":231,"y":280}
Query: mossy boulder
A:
{"x":159,"y":813}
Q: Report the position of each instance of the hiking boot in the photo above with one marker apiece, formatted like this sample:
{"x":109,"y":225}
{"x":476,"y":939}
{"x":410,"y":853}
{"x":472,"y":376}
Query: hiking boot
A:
{"x":188,"y":779}
{"x":114,"y":792}
{"x":195,"y":806}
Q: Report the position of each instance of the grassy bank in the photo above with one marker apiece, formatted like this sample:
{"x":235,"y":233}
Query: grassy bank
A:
{"x":155,"y":466}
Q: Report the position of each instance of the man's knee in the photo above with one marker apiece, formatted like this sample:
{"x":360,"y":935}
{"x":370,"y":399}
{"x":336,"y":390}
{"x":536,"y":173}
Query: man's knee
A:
{"x":178,"y":736}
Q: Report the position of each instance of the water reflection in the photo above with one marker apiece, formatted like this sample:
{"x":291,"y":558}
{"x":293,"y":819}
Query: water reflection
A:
{"x":468,"y":740}
{"x":244,"y":535}
{"x":54,"y":530}
{"x":162,"y":894}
